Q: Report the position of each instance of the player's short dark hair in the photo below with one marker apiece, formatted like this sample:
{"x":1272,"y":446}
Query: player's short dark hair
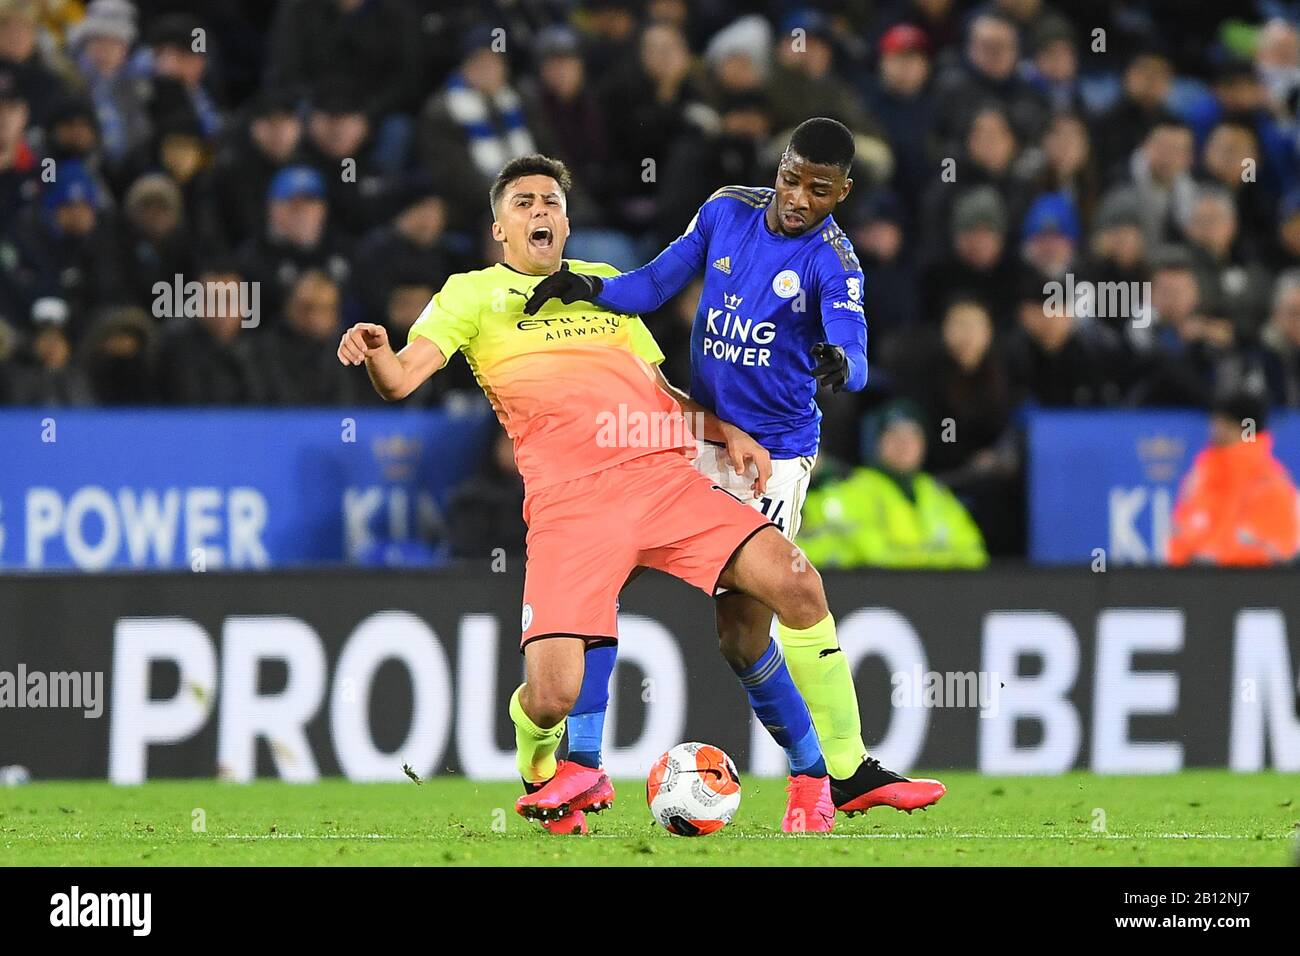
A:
{"x":823,"y":141}
{"x":535,"y":164}
{"x":1240,"y":405}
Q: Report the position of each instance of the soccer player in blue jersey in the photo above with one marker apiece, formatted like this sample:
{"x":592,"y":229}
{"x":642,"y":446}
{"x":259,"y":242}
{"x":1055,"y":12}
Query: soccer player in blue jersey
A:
{"x":780,"y":314}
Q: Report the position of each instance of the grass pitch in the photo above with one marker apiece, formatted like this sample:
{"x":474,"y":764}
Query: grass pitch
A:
{"x":1193,"y":818}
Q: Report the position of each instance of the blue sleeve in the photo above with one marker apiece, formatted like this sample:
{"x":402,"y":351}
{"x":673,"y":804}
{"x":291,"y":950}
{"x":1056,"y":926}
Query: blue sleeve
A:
{"x":646,"y":289}
{"x":843,"y":318}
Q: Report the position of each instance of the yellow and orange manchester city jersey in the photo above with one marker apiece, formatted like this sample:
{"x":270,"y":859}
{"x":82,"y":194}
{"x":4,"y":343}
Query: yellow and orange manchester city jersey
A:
{"x":574,"y":385}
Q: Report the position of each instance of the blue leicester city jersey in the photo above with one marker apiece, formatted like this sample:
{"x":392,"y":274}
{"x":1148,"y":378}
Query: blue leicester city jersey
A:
{"x":767,"y":300}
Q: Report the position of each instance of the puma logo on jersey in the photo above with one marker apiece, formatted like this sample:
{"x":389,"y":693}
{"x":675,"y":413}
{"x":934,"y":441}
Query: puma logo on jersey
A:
{"x":723,"y":265}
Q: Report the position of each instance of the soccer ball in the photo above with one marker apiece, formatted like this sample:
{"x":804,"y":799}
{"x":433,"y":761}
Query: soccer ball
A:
{"x":693,"y":789}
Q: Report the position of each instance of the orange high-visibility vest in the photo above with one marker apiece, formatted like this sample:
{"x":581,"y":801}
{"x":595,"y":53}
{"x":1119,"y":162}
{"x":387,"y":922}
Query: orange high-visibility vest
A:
{"x":1237,"y":506}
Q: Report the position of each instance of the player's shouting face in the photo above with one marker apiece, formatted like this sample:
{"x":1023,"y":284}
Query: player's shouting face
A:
{"x":806,"y":193}
{"x":531,"y":221}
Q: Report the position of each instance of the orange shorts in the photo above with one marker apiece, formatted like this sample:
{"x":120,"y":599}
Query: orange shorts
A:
{"x":585,"y":537}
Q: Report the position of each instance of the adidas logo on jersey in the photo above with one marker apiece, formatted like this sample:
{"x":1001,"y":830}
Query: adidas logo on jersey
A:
{"x":723,"y":264}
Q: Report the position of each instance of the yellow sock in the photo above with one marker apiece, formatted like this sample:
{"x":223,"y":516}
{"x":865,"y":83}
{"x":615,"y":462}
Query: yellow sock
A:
{"x":826,"y":684}
{"x":534,"y":746}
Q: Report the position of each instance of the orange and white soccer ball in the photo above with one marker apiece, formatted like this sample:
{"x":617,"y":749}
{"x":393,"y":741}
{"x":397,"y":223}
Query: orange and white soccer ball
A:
{"x":693,"y":789}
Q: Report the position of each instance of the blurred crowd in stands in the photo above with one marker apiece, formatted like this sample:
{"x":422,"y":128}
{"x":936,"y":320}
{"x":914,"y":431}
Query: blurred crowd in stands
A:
{"x":334,"y":156}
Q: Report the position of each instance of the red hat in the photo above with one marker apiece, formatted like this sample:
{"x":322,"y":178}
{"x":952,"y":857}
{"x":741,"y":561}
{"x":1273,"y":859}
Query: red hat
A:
{"x":903,"y":38}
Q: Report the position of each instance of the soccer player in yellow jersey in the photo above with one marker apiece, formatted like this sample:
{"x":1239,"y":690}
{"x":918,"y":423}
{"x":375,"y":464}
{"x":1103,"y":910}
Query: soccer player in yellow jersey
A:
{"x":601,"y":441}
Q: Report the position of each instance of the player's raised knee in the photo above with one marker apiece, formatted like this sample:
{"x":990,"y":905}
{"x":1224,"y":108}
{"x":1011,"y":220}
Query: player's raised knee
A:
{"x":803,"y":598}
{"x":549,"y":702}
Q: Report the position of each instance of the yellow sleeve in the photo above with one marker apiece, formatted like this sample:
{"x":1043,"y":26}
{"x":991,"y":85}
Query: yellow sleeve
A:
{"x":602,"y":269}
{"x":450,"y":320}
{"x":643,"y":343}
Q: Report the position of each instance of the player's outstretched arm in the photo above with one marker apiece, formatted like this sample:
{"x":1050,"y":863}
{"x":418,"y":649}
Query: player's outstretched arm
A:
{"x":742,"y":448}
{"x":631,"y":293}
{"x":639,"y":291}
{"x":393,"y":374}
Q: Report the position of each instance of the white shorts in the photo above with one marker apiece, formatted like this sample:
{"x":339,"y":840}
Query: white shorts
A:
{"x":786,"y":489}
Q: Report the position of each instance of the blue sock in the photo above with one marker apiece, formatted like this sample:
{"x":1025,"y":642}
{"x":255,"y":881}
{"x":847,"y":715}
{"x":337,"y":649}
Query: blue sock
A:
{"x":587,"y":719}
{"x":783,"y":712}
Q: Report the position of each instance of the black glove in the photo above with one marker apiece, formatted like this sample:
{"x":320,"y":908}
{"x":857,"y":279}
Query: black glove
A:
{"x":832,"y":366}
{"x":568,"y":287}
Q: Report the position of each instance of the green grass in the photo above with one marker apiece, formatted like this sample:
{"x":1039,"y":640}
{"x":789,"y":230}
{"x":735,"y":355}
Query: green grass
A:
{"x":1193,"y":818}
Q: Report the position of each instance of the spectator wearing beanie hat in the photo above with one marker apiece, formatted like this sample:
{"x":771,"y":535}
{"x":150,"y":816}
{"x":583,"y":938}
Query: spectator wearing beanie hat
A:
{"x":739,"y":56}
{"x":297,"y":237}
{"x":568,"y":121}
{"x":73,"y":133}
{"x":158,"y":245}
{"x":68,"y":249}
{"x":1117,"y":255}
{"x":45,"y":373}
{"x":1053,"y":66}
{"x":899,"y":96}
{"x":976,"y":261}
{"x":1050,"y":235}
{"x":473,"y":126}
{"x":101,"y":47}
{"x":259,"y":147}
{"x":338,"y":130}
{"x":117,"y":353}
{"x":177,"y":51}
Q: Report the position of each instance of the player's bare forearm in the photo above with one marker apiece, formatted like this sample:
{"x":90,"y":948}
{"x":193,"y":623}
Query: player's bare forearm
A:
{"x":394,"y":375}
{"x":387,"y":374}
